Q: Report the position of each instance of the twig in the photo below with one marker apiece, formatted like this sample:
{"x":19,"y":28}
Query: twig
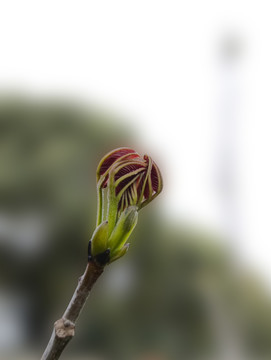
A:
{"x":63,"y":330}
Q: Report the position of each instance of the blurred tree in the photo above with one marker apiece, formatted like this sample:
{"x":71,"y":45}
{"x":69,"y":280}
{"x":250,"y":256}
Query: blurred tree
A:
{"x":49,"y":152}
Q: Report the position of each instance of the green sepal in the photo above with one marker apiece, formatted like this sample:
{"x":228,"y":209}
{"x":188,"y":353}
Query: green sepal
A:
{"x":120,"y":253}
{"x":122,"y":230}
{"x":99,"y":239}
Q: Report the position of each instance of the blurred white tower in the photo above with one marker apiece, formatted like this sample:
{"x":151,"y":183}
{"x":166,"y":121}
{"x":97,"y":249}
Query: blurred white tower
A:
{"x":227,"y":332}
{"x":228,"y":137}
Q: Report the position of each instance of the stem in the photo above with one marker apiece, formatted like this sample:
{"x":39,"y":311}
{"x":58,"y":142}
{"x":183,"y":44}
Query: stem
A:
{"x":99,"y":206}
{"x":112,"y":208}
{"x":63,"y":330}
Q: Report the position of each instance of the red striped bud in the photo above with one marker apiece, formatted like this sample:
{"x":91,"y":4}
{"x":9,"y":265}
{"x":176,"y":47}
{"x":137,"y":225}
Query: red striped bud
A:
{"x":136,"y":180}
{"x":126,"y":182}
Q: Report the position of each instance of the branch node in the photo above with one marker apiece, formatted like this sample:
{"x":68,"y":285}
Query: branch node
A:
{"x":64,"y":328}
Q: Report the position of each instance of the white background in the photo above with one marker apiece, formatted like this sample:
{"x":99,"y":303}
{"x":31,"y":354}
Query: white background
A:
{"x":195,"y":77}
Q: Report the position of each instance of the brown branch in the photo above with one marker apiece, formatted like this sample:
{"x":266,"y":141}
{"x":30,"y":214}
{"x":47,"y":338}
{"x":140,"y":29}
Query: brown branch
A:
{"x":64,"y":328}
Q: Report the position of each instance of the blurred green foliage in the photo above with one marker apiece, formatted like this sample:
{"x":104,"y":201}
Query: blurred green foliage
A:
{"x":176,"y":295}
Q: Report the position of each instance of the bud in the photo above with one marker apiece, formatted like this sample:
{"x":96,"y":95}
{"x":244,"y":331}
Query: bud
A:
{"x":126,"y":182}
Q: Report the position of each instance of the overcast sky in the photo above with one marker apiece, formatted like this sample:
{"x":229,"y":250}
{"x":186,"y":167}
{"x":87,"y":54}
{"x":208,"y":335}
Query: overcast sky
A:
{"x":195,"y":77}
